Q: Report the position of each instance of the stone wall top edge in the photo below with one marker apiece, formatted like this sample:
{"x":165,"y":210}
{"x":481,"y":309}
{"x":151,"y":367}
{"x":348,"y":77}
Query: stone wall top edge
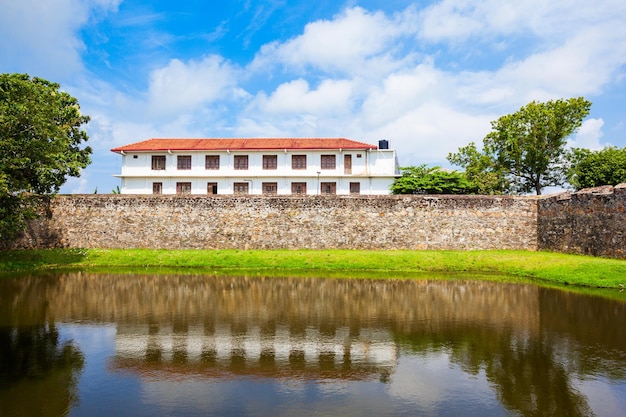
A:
{"x":567,"y":195}
{"x":294,"y":197}
{"x":603,"y":190}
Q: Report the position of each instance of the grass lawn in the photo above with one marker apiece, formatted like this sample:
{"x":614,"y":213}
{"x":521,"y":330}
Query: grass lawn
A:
{"x":554,"y":268}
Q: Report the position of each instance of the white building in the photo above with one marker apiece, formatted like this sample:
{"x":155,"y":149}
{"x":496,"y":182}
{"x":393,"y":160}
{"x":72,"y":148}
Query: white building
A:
{"x":257,"y":166}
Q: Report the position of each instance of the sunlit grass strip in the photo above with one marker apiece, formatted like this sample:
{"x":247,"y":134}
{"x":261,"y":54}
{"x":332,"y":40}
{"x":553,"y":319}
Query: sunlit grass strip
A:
{"x":552,"y":267}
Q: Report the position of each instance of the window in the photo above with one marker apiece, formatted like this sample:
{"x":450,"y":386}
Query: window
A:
{"x":298,"y":161}
{"x":211,"y":188}
{"x":241,"y":161}
{"x":158,"y":162}
{"x":328,"y":188}
{"x":328,"y":162}
{"x":355,"y":188}
{"x":240,"y":188}
{"x":298,"y":188}
{"x":270,"y":161}
{"x":157,"y":188}
{"x":270,"y":188}
{"x":184,"y":162}
{"x":212,"y":162}
{"x":183,"y":188}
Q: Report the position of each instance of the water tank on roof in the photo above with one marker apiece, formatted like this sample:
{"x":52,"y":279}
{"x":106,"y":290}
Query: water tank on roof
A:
{"x":383,"y":144}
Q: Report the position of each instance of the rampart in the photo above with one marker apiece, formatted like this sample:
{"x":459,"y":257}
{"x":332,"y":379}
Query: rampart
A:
{"x":590,"y":222}
{"x":312,"y":222}
{"x":587,"y":222}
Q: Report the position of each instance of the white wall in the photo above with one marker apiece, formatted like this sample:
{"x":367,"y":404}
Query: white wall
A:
{"x":374,"y":170}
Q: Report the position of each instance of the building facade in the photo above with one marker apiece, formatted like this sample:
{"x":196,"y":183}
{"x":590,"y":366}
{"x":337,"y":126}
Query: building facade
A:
{"x":284,"y":166}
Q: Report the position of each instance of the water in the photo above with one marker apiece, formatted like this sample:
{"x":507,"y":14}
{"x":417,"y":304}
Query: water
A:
{"x":136,"y":345}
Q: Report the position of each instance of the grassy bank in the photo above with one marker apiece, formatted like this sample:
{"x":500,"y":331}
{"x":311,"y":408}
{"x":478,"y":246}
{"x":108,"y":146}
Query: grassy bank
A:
{"x":555,"y":268}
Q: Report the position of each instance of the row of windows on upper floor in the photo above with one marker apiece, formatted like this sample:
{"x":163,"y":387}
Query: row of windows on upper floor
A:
{"x":240,"y":162}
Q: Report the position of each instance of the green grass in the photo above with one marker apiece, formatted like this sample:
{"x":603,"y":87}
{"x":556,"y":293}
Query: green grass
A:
{"x":553,"y":268}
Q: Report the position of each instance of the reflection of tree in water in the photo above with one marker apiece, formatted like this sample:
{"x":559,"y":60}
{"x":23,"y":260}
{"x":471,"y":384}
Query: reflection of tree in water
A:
{"x":529,"y":374}
{"x":38,"y":371}
{"x":530,"y":378}
{"x":34,"y":364}
{"x":534,"y":376}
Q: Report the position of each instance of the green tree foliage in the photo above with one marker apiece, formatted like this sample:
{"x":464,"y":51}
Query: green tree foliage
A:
{"x":525,"y":150}
{"x":595,"y":168}
{"x":480,"y":170}
{"x":434,"y":180}
{"x":40,"y":145}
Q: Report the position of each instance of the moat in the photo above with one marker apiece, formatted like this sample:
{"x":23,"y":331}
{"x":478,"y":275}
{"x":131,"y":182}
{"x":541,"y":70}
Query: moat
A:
{"x":83,"y":344}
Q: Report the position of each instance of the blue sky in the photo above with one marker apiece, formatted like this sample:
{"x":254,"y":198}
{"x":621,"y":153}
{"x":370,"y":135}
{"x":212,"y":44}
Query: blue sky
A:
{"x":428,"y":76}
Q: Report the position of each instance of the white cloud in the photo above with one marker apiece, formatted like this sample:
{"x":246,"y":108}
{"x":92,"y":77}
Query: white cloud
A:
{"x":78,"y":185}
{"x":583,"y":65}
{"x":588,"y":135}
{"x":428,"y":133}
{"x":106,"y":133}
{"x":450,"y":19}
{"x":346,"y":44}
{"x":463,"y":20}
{"x":403,"y":91}
{"x":182,"y":86}
{"x":331,"y":97}
{"x":41,"y":37}
{"x":554,"y":49}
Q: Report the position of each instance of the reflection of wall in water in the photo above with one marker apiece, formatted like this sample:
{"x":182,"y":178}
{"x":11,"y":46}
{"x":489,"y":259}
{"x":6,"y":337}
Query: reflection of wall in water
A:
{"x":327,"y":304}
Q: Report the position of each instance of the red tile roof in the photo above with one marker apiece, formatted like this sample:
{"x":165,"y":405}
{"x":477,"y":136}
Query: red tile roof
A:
{"x":242,"y":144}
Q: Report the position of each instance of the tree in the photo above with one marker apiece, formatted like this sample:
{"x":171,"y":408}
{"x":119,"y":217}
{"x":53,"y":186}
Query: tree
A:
{"x":40,"y":145}
{"x":595,"y":168}
{"x":434,"y":180}
{"x":525,"y":150}
{"x":480,"y":170}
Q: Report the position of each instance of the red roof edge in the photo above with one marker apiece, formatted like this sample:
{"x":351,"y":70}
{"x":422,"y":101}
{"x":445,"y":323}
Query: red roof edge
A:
{"x":199,"y":144}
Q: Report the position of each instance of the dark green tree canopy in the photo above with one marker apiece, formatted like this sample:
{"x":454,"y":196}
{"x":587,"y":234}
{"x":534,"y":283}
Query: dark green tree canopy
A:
{"x":40,"y":135}
{"x":41,"y":143}
{"x":595,"y":168}
{"x":433,"y":180}
{"x":525,"y":150}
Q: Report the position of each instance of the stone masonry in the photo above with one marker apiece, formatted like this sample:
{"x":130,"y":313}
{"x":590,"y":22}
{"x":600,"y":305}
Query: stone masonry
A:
{"x":257,"y":222}
{"x":590,"y":222}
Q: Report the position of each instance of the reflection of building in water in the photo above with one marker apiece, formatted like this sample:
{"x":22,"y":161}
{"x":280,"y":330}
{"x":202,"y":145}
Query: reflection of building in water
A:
{"x":252,"y":324}
{"x":370,"y":354}
{"x":533,"y":345}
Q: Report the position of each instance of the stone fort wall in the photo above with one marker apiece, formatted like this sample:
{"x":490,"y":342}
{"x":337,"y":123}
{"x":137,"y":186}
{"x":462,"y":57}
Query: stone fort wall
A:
{"x":588,"y":222}
{"x":310,"y":222}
